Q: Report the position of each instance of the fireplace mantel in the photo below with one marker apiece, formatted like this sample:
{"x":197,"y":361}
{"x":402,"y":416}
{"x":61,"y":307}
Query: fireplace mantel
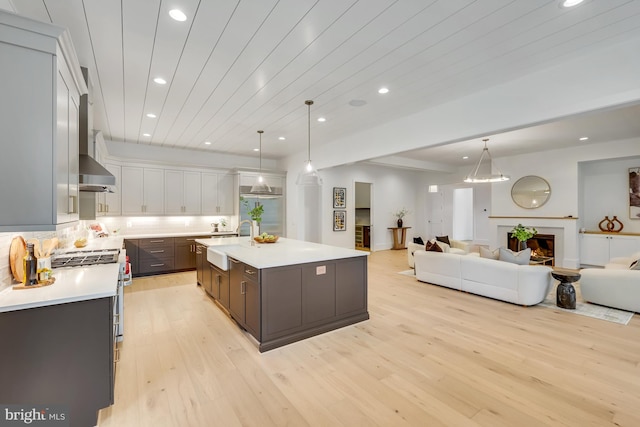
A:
{"x":565,"y":230}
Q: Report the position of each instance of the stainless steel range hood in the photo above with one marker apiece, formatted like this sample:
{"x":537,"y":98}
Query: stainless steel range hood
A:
{"x":92,"y":176}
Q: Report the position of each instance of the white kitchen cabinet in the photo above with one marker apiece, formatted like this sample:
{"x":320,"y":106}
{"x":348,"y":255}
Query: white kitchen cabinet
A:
{"x":598,"y":249}
{"x":108,"y":204}
{"x":41,"y":86}
{"x":218,"y":194}
{"x":182,"y":195}
{"x":142,"y":191}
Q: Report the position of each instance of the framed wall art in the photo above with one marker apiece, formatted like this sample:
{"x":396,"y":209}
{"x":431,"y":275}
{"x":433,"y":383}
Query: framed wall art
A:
{"x":634,"y":193}
{"x":339,"y":198}
{"x":339,"y":220}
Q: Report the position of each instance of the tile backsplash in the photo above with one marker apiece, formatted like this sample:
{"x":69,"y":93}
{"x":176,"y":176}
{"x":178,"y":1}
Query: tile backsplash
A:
{"x":122,"y":225}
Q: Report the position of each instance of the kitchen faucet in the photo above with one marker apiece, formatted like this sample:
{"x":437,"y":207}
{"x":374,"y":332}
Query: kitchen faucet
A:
{"x":253,"y":242}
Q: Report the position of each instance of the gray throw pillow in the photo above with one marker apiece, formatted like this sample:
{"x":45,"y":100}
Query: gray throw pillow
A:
{"x":521,"y":258}
{"x":488,"y":253}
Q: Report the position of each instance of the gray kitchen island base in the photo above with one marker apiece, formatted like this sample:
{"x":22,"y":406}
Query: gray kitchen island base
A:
{"x":285,"y":303}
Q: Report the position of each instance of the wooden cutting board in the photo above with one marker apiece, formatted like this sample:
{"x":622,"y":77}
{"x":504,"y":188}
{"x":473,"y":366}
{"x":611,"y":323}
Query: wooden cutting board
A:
{"x":16,"y":254}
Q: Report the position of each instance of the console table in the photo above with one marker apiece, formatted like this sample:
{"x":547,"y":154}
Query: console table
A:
{"x":399,"y":237}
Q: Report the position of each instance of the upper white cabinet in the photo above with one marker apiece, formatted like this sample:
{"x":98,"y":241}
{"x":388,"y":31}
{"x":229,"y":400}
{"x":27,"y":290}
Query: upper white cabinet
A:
{"x":218,"y":190}
{"x":142,"y":191}
{"x":182,"y":192}
{"x":41,"y":86}
{"x":598,"y":249}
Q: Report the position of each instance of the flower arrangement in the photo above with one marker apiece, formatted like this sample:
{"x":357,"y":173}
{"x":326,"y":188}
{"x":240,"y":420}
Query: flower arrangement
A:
{"x":401,"y":213}
{"x":523,"y":233}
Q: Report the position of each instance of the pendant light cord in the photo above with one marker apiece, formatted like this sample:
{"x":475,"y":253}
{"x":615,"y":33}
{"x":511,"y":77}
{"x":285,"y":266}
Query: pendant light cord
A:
{"x":309,"y":104}
{"x":260,"y":132}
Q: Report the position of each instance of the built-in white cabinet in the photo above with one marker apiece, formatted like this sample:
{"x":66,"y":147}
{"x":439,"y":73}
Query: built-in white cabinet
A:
{"x":108,"y":204}
{"x":41,"y":86}
{"x":142,"y":191}
{"x":598,"y":249}
{"x":218,"y":194}
{"x":182,"y":192}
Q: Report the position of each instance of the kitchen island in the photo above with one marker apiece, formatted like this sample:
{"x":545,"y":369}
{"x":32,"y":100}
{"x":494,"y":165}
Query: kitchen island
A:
{"x":285,"y":291}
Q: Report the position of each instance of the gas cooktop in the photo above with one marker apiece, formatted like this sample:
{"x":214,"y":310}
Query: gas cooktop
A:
{"x":81,"y":258}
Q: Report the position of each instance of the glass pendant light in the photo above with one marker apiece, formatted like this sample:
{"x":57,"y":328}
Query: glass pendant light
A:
{"x":309,"y":176}
{"x":260,"y":187}
{"x":476,"y":178}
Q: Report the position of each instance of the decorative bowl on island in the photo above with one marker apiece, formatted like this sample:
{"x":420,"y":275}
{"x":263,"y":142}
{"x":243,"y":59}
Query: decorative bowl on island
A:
{"x":266,"y":239}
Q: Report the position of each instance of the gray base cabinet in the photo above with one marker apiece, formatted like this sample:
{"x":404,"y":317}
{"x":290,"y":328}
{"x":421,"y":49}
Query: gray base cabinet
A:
{"x":161,"y":255}
{"x":281,"y":305}
{"x":60,"y":354}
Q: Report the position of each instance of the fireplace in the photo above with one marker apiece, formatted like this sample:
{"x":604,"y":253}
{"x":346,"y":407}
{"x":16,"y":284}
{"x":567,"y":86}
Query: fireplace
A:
{"x":542,"y":245}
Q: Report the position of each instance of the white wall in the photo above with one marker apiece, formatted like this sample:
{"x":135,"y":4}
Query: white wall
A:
{"x":392,"y":189}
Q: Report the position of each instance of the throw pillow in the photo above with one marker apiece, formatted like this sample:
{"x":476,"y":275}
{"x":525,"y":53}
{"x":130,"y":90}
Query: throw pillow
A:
{"x":443,"y":239}
{"x":635,"y":265}
{"x":488,"y":253}
{"x":521,"y":258}
{"x":445,"y":248}
{"x":418,"y":240}
{"x":433,"y":247}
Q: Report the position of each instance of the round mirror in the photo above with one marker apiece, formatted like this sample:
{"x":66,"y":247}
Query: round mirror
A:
{"x":530,"y":192}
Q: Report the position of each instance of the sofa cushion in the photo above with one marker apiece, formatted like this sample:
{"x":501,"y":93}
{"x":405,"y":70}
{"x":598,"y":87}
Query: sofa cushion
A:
{"x":488,"y":253}
{"x":418,"y":240}
{"x":443,"y":239}
{"x":433,"y":247}
{"x":635,"y":265}
{"x":521,"y":258}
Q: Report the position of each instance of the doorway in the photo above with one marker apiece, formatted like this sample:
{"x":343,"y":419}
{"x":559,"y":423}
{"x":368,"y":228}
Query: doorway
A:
{"x":362,"y":237}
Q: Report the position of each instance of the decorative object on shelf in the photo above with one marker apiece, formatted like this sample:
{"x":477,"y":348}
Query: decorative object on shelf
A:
{"x":476,"y":178}
{"x":523,"y":234}
{"x":634,"y":193}
{"x":260,"y":186}
{"x":609,"y":225}
{"x":339,"y":220}
{"x":401,"y":214}
{"x":309,"y":176}
{"x":339,"y":198}
{"x":530,"y":192}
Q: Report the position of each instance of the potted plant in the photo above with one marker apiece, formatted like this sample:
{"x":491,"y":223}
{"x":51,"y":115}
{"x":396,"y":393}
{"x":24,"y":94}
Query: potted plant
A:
{"x":254,"y":213}
{"x":401,"y":214}
{"x":523,"y":234}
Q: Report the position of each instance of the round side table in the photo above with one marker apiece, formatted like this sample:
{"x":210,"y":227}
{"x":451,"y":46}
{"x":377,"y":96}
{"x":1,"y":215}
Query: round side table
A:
{"x":566,"y":293}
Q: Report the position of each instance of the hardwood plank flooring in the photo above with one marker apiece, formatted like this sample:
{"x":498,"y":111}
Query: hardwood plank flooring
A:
{"x":429,"y":356}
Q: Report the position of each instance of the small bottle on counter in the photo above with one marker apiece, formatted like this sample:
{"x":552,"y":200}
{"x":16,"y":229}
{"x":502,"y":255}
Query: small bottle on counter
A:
{"x":30,"y":264}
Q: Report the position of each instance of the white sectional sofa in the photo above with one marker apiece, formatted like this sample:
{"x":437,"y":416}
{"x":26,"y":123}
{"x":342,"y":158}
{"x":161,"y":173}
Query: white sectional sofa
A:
{"x":614,"y":285}
{"x":518,"y":284}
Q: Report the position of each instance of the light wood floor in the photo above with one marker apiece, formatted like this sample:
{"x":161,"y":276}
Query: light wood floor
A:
{"x":429,"y":356}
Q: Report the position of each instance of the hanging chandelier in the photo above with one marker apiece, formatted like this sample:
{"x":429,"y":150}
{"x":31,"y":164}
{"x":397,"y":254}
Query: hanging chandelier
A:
{"x":476,"y":178}
{"x":309,"y":176}
{"x":260,"y":187}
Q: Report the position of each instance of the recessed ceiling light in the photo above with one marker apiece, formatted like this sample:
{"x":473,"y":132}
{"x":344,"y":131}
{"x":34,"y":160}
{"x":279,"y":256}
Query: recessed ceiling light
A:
{"x":178,"y":15}
{"x":256,"y":149}
{"x":570,"y":3}
{"x":322,"y":119}
{"x":383,"y":90}
{"x":160,"y":81}
{"x":146,"y":134}
{"x":282,"y":138}
{"x":207,"y":143}
{"x":465,"y":157}
{"x":357,"y":102}
{"x":151,"y":115}
{"x":584,"y":138}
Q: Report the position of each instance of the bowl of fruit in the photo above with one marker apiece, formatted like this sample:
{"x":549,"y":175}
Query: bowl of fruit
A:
{"x":266,"y":238}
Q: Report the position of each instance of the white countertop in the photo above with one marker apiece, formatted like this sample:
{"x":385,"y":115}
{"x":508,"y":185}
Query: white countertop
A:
{"x":283,"y":252}
{"x":180,"y":234}
{"x":96,"y":244}
{"x":72,"y":284}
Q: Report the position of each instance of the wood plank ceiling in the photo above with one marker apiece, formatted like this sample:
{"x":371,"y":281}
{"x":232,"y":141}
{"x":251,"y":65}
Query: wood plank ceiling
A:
{"x":236,"y":66}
